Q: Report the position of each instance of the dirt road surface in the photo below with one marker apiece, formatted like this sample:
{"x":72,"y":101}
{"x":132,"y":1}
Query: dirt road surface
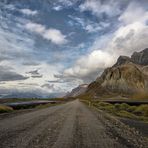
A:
{"x":70,"y":125}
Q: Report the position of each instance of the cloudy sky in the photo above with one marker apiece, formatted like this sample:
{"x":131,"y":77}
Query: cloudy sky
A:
{"x":51,"y":46}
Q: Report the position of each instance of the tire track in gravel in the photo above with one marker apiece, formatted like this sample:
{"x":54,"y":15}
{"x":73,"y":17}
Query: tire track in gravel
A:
{"x":93,"y":131}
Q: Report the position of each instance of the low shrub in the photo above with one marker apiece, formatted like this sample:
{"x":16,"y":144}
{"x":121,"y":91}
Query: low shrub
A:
{"x":110,"y":108}
{"x":131,"y":109}
{"x":4,"y":109}
{"x":124,"y":106}
{"x":142,"y":110}
{"x":117,"y":106}
{"x":124,"y":110}
{"x":126,"y":114}
{"x":104,"y":104}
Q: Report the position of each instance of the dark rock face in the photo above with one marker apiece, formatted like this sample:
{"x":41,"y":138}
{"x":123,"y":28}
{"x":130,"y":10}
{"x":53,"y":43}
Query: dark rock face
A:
{"x":122,"y":60}
{"x":145,"y":70}
{"x":126,"y":78}
{"x":140,"y":57}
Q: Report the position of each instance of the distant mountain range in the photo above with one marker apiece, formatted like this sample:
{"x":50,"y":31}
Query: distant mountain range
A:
{"x":30,"y":95}
{"x":128,"y":76}
{"x":77,"y":91}
{"x":20,"y":95}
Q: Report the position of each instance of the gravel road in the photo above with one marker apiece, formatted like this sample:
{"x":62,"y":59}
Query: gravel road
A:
{"x":70,"y":125}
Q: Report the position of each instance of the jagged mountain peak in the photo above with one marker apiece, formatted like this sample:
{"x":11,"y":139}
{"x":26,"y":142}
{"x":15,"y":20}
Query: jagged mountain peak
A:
{"x":122,"y":60}
{"x":140,"y":57}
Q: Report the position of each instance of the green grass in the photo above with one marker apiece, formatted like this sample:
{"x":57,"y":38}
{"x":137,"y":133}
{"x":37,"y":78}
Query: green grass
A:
{"x":142,"y":110}
{"x":124,"y":110}
{"x":38,"y":106}
{"x":126,"y":114}
{"x":5,"y":109}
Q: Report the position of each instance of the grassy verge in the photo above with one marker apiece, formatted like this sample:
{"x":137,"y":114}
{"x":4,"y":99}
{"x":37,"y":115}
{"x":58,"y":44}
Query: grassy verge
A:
{"x":36,"y":106}
{"x":123,"y":110}
{"x":5,"y":109}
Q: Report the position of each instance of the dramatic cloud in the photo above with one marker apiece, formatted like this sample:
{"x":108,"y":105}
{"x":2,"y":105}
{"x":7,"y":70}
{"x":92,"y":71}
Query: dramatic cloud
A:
{"x":7,"y":74}
{"x":28,"y":11}
{"x":139,"y":14}
{"x":35,"y":74}
{"x":30,"y":63}
{"x":67,"y":42}
{"x":54,"y":35}
{"x":130,"y":38}
{"x":132,"y":35}
{"x":87,"y":67}
{"x":48,"y":86}
{"x":4,"y":57}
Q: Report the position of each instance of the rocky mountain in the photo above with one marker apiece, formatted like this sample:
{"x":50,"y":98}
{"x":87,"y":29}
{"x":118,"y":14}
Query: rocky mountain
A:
{"x":77,"y":91}
{"x":122,"y":60}
{"x":128,"y":76}
{"x":145,"y":70}
{"x":140,"y":57}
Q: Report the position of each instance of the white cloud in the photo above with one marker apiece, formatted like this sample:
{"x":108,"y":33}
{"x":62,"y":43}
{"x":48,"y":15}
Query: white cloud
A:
{"x":57,"y":8}
{"x":111,"y":8}
{"x":68,"y":2}
{"x":88,"y":67}
{"x":10,"y":7}
{"x":134,"y":13}
{"x":48,"y":86}
{"x":130,"y":38}
{"x":133,"y":33}
{"x":28,"y":11}
{"x":90,"y":5}
{"x":89,"y":26}
{"x":90,"y":63}
{"x":10,"y":46}
{"x":54,"y":35}
{"x":34,"y":27}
